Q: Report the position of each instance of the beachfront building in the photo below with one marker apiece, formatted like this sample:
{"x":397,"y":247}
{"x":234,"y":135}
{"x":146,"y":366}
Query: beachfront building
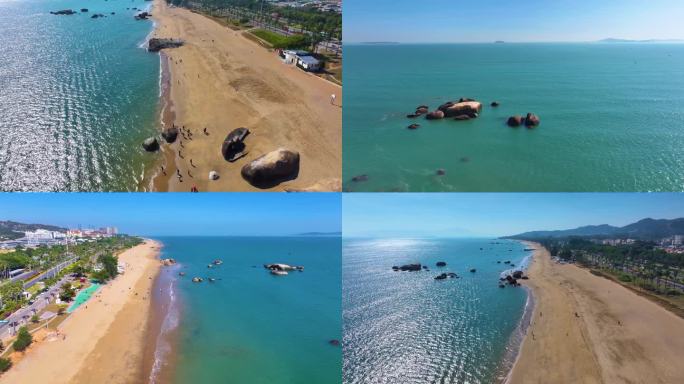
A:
{"x":291,"y":56}
{"x":309,"y":63}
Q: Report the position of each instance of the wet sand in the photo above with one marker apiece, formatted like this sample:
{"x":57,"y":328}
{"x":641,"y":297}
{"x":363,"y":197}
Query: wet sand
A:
{"x":587,"y":329}
{"x":103,"y":341}
{"x":221,"y":80}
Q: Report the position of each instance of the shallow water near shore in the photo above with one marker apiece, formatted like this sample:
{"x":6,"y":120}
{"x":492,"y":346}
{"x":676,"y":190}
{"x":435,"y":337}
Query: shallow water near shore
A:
{"x":78,"y":96}
{"x":406,"y":327}
{"x":611,"y":117}
{"x":250,"y":326}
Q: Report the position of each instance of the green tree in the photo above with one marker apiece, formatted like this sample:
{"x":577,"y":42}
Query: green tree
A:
{"x":67,"y":293}
{"x":35,"y":319}
{"x":5,"y":364}
{"x":109,"y":265}
{"x":24,"y":339}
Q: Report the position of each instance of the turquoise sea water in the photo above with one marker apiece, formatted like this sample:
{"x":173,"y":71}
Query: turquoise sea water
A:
{"x":612,"y":117}
{"x":78,"y":96}
{"x":406,"y":327}
{"x":252,"y":327}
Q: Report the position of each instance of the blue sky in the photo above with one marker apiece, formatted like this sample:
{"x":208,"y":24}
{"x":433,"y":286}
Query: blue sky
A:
{"x":442,"y":21}
{"x":156,"y":214}
{"x":486,"y":215}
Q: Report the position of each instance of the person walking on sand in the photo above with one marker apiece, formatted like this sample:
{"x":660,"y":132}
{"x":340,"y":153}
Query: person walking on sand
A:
{"x":332,"y":99}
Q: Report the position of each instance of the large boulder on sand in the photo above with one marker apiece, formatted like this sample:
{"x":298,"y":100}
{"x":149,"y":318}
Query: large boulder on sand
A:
{"x":272,"y":168}
{"x":468,"y":107}
{"x":531,"y":120}
{"x":436,"y":115}
{"x":233,"y":147}
{"x":515,"y":121}
{"x":151,"y":144}
{"x":170,"y":134}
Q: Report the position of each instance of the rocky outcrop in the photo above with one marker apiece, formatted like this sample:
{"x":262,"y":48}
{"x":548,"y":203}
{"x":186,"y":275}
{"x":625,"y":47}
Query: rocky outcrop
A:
{"x":531,"y":120}
{"x":515,"y":121}
{"x":168,"y":262}
{"x":435,"y":115}
{"x":272,"y":168}
{"x":468,"y":107}
{"x":151,"y":144}
{"x":283,"y":267}
{"x":197,"y":279}
{"x":84,"y":10}
{"x":157,"y":44}
{"x":440,"y":172}
{"x":63,"y":12}
{"x":408,"y":267}
{"x":170,"y":134}
{"x":233,"y":147}
{"x":447,"y":275}
{"x":441,"y":264}
{"x":142,"y":15}
{"x":97,"y":16}
{"x":517,"y":274}
{"x":494,"y":104}
{"x":360,"y":178}
{"x":414,"y":126}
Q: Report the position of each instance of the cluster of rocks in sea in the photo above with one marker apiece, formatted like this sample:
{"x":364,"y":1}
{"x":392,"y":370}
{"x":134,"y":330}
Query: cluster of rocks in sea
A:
{"x":64,"y":12}
{"x":467,"y":109}
{"x":512,"y":278}
{"x":415,"y":267}
{"x":142,"y":15}
{"x":282,"y":269}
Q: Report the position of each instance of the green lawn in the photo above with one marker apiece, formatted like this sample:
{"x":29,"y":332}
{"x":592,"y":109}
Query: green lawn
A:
{"x":280,"y":41}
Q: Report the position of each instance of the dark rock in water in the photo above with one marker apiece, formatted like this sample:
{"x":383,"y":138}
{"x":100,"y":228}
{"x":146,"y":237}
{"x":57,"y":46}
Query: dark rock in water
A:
{"x":494,"y":104}
{"x":156,"y":44}
{"x":452,"y":274}
{"x":411,"y":267}
{"x":151,"y":144}
{"x":421,"y":110}
{"x":524,"y":277}
{"x":425,"y":107}
{"x":531,"y":120}
{"x":170,"y":134}
{"x":412,"y":115}
{"x":515,"y":121}
{"x":465,"y":159}
{"x":233,"y":147}
{"x":360,"y":178}
{"x":507,"y":262}
{"x":441,"y":172}
{"x":395,"y":268}
{"x":97,"y":16}
{"x":273,"y":168}
{"x":517,"y":274}
{"x":142,"y":15}
{"x":84,"y":10}
{"x":334,"y":342}
{"x":425,"y":267}
{"x":414,"y":126}
{"x":64,"y":12}
{"x":113,"y":13}
{"x":441,"y":264}
{"x":441,"y":277}
{"x":435,"y":115}
{"x":498,"y":262}
{"x":462,"y":117}
{"x":473,"y":270}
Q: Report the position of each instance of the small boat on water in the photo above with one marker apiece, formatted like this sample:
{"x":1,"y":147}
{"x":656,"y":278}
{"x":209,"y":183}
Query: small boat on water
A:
{"x":211,"y":280}
{"x":210,"y":266}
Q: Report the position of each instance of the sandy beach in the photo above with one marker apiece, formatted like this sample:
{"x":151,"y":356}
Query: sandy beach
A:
{"x":587,"y":329}
{"x":103,"y":341}
{"x":221,"y":80}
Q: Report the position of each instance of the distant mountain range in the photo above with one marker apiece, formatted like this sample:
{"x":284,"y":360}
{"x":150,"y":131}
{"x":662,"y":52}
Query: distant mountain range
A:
{"x":10,"y":230}
{"x":612,"y":40}
{"x":646,"y":229}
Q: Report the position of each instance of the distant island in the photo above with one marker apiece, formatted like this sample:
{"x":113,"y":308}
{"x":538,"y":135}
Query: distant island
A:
{"x":320,"y":234}
{"x":613,"y":40}
{"x":499,"y":42}
{"x":646,"y":229}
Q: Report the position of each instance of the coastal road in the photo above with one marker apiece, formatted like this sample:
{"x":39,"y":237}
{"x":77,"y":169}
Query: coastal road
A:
{"x":41,"y":301}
